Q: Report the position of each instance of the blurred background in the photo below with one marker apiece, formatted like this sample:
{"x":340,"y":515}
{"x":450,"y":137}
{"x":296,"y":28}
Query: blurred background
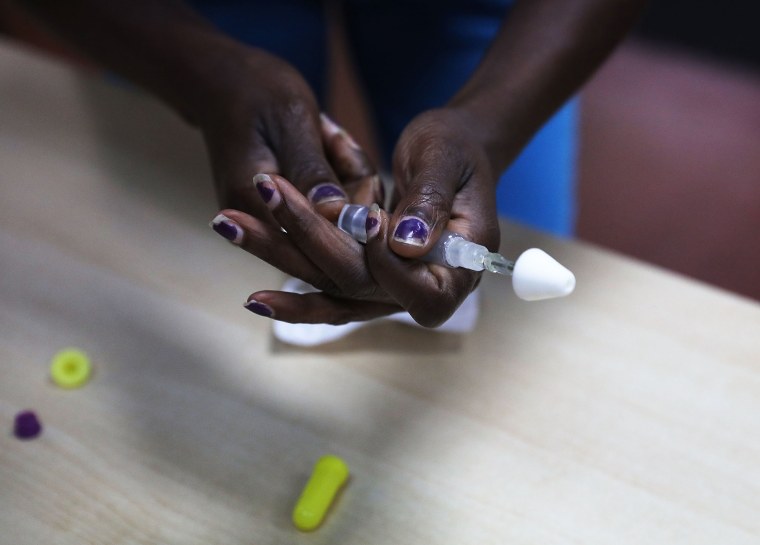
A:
{"x":669,"y":154}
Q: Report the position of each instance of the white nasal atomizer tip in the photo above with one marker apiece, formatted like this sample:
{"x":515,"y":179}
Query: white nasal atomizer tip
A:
{"x":537,"y":275}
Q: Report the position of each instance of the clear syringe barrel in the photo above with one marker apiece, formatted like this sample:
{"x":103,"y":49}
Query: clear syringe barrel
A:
{"x":451,"y":249}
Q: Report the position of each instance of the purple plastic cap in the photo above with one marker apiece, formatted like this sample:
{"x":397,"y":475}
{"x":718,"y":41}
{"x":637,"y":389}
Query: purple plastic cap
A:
{"x":27,"y":425}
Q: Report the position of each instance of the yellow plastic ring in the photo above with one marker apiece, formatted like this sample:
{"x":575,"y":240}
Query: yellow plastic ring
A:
{"x":70,"y":368}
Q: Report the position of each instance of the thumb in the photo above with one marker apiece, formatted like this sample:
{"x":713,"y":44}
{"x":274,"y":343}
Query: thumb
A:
{"x":424,"y":209}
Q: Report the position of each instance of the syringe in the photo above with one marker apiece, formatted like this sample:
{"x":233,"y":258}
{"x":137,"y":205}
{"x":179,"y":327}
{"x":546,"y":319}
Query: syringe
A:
{"x":535,"y":274}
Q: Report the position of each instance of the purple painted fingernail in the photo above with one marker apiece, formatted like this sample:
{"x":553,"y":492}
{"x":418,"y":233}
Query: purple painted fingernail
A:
{"x":331,"y":127}
{"x":227,"y":228}
{"x":259,"y":308}
{"x":27,"y":425}
{"x":324,"y":193}
{"x":372,"y":223}
{"x":411,"y":230}
{"x":267,"y":190}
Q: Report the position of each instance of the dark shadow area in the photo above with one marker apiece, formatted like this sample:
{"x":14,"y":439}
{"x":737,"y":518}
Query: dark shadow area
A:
{"x":726,"y":31}
{"x":382,"y":337}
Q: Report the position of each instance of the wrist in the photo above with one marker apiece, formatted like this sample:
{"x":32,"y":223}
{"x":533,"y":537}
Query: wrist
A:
{"x":229,"y":82}
{"x":203,"y":76}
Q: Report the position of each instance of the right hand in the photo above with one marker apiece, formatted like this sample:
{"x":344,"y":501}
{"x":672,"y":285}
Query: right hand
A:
{"x":262,"y":117}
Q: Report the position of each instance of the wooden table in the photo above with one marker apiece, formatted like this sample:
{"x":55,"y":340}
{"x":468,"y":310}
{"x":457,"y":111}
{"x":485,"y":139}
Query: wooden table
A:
{"x":627,"y":413}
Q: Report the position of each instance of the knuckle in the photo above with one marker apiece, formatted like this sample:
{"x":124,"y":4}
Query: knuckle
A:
{"x":354,"y":164}
{"x":324,"y":284}
{"x":427,"y":201}
{"x":429,"y":317}
{"x":294,"y":108}
{"x":311,"y":170}
{"x":334,"y":311}
{"x":429,"y":193}
{"x":433,"y":309}
{"x":355,"y":281}
{"x":342,"y":317}
{"x":301,"y":225}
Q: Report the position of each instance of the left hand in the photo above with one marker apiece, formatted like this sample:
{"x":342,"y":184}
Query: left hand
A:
{"x":306,"y":245}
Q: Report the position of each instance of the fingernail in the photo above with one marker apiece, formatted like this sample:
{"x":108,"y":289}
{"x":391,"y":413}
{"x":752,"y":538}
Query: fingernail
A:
{"x":267,"y":189}
{"x":259,"y":308}
{"x":411,"y":230}
{"x":323,"y":193}
{"x":227,"y":228}
{"x":331,"y":127}
{"x":372,"y":224}
{"x":349,"y":140}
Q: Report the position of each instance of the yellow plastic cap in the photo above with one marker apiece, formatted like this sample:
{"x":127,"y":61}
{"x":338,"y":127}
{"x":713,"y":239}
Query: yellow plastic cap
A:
{"x":70,"y":368}
{"x":329,"y":475}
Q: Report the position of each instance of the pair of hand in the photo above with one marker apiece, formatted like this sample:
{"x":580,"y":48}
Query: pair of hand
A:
{"x":258,"y":115}
{"x":269,"y":124}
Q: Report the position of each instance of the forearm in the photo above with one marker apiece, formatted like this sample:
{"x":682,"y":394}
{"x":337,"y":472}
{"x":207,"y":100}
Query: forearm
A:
{"x":543,"y":53}
{"x":160,"y":45}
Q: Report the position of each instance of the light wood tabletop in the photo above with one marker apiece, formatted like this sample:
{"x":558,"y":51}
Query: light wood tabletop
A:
{"x":626,"y":413}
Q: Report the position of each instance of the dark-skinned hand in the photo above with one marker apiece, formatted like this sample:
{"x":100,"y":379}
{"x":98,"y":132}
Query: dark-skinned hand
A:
{"x":262,"y":117}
